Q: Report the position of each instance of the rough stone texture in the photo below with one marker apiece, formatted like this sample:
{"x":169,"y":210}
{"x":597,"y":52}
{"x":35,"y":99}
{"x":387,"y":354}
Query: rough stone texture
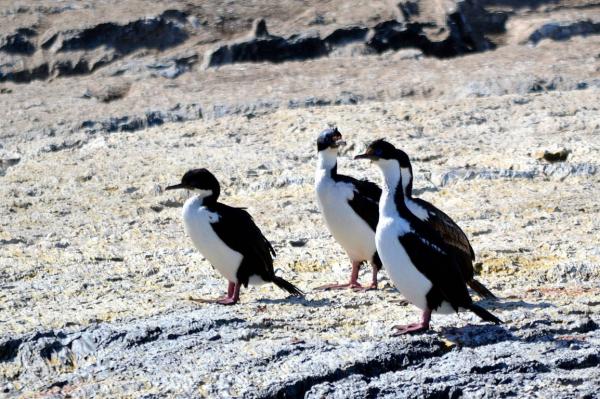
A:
{"x":98,"y":273}
{"x":98,"y":281}
{"x":48,"y":41}
{"x":266,"y":47}
{"x":82,"y":50}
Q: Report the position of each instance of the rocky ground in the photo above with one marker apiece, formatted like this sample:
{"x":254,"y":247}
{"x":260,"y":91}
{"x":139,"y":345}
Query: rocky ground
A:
{"x":98,"y":282}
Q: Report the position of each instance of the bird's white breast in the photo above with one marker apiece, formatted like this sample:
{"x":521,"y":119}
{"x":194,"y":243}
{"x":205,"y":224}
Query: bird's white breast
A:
{"x":411,"y":283}
{"x":348,"y":228}
{"x":198,"y":222}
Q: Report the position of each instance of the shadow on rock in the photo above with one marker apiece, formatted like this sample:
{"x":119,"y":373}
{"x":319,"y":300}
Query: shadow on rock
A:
{"x":475,"y":335}
{"x":507,"y":305}
{"x":311,"y":303}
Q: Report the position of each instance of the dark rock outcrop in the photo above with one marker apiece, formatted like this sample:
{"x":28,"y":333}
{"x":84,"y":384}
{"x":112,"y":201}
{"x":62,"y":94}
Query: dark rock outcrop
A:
{"x":266,"y":47}
{"x":394,"y":35}
{"x":83,"y":51}
{"x":158,"y":32}
{"x":172,"y":67}
{"x":16,"y":74}
{"x":18,"y":42}
{"x":465,"y":28}
{"x":343,"y":36}
{"x":131,"y":123}
{"x":564,"y":30}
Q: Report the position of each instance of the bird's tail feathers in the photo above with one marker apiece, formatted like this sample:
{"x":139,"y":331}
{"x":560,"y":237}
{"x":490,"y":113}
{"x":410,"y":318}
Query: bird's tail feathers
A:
{"x":484,"y":314}
{"x":287,"y":286}
{"x":481,"y":289}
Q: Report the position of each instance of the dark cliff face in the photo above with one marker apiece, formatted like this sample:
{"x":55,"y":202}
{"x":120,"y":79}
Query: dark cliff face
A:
{"x":84,"y":50}
{"x":47,"y":49}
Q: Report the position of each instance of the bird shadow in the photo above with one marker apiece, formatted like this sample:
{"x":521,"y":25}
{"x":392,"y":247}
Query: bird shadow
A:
{"x":310,"y":303}
{"x":475,"y":335}
{"x":503,"y":304}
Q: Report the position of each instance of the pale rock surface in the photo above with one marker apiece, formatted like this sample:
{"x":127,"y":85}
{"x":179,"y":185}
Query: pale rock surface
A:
{"x":97,"y":277}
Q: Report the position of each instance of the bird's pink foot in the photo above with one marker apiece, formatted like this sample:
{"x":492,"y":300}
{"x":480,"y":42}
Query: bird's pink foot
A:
{"x":335,"y":286}
{"x":353,"y":284}
{"x":422,"y":326}
{"x":362,"y":288}
{"x":410,"y":328}
{"x":227,"y":301}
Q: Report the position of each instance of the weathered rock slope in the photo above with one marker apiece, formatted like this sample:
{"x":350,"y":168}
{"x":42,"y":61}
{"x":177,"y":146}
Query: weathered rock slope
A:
{"x":98,"y":281}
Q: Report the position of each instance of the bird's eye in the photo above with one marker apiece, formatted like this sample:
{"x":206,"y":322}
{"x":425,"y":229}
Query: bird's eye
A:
{"x":378,"y":152}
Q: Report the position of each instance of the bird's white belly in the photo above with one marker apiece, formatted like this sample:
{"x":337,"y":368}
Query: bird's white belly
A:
{"x":411,"y":283}
{"x":350,"y":230}
{"x":197,"y":220}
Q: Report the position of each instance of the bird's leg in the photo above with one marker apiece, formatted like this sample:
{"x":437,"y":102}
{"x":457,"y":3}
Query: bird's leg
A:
{"x":234,"y":297}
{"x":353,"y":280}
{"x":354,"y":275}
{"x":373,"y":285}
{"x":374,"y":272}
{"x":230,"y":289}
{"x":416,"y":327}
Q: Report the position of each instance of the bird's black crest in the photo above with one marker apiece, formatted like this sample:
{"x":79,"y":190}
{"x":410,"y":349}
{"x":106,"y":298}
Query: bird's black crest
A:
{"x":328,"y":138}
{"x":381,"y":148}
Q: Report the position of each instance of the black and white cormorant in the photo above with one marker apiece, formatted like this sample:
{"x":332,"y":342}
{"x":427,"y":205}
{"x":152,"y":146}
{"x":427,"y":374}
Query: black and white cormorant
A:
{"x":349,"y":207}
{"x":418,"y":260}
{"x":454,"y":237}
{"x":227,"y":237}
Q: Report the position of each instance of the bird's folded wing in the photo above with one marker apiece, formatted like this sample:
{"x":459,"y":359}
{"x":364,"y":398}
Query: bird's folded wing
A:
{"x":447,"y":228}
{"x":365,"y":201}
{"x":237,"y":228}
{"x":434,"y":261}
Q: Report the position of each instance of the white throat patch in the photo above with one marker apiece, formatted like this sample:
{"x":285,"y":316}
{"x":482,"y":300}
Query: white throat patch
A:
{"x":327,"y":158}
{"x":405,"y":178}
{"x":390,"y":169}
{"x":202,"y":193}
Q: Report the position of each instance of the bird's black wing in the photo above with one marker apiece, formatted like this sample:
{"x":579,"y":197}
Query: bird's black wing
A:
{"x":238,"y":230}
{"x":447,"y":228}
{"x":433,"y":259}
{"x":366,"y":199}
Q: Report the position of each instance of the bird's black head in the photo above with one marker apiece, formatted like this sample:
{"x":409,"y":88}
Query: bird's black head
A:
{"x":201,"y":181}
{"x":381,"y":149}
{"x":378,"y":149}
{"x":329,"y":138}
{"x":381,"y":152}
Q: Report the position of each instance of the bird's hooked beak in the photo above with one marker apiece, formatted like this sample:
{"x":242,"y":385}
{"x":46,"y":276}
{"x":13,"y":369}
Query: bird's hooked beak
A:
{"x":366,"y":155}
{"x":338,"y":141}
{"x":175,"y":187}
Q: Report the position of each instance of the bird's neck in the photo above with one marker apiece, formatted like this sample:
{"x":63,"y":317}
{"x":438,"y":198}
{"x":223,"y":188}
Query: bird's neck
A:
{"x":407,"y":181}
{"x":327,"y":162}
{"x":206,"y":197}
{"x":392,"y":198}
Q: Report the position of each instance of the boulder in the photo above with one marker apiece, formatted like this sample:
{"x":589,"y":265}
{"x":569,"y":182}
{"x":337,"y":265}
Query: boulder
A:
{"x":564,"y":30}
